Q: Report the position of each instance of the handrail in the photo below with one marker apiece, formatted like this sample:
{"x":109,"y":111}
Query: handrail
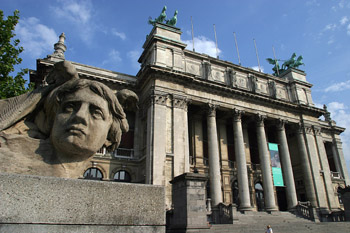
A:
{"x":304,"y":209}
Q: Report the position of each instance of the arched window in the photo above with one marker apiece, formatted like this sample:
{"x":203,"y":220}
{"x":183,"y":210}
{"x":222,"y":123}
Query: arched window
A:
{"x":122,"y":176}
{"x":93,"y":174}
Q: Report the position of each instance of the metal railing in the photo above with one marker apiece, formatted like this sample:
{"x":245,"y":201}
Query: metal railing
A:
{"x":123,"y":153}
{"x":118,"y":153}
{"x":336,"y":175}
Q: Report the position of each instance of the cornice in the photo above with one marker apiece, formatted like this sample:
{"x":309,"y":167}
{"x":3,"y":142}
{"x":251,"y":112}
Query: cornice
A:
{"x":222,"y":89}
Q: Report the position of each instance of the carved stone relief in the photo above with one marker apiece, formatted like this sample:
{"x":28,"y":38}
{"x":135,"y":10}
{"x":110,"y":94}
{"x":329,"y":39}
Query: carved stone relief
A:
{"x":62,"y":126}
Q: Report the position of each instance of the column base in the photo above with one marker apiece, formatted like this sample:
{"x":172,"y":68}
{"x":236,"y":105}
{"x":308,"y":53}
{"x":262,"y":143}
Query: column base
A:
{"x":271,"y":209}
{"x":243,"y":209}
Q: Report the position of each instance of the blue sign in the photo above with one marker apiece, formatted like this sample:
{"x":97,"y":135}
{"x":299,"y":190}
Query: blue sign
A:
{"x":276,"y":165}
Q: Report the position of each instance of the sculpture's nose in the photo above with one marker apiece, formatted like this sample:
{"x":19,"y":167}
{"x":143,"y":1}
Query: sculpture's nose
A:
{"x":81,"y":114}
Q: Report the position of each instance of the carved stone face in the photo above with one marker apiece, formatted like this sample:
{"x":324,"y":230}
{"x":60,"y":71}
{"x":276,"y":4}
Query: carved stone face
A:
{"x":81,"y":124}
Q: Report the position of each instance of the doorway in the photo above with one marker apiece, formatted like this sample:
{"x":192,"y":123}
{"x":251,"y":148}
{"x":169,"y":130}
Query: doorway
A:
{"x":281,"y":198}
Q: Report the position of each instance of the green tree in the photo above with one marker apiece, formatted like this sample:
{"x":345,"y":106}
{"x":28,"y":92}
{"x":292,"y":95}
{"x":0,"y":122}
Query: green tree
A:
{"x":9,"y":57}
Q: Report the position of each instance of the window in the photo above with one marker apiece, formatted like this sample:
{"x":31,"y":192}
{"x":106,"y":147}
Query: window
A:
{"x":122,"y":176}
{"x":93,"y":174}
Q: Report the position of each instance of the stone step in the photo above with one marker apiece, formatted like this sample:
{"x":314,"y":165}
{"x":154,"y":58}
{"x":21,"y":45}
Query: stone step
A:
{"x":280,"y":222}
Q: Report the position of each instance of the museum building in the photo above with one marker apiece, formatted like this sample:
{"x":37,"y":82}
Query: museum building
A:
{"x":258,"y":138}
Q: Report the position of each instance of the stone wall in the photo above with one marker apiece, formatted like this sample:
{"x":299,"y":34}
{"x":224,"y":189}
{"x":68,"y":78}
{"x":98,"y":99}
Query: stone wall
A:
{"x":47,"y":204}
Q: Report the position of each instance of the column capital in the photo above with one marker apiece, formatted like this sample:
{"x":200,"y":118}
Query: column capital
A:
{"x":280,"y":124}
{"x":299,"y":128}
{"x":182,"y":103}
{"x":260,"y":119}
{"x":237,"y":114}
{"x":317,"y":130}
{"x":308,"y":129}
{"x":211,"y":110}
{"x":159,"y":99}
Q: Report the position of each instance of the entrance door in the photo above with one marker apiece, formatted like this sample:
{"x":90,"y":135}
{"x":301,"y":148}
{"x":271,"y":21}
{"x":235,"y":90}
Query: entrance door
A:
{"x":259,"y":195}
{"x":281,"y":198}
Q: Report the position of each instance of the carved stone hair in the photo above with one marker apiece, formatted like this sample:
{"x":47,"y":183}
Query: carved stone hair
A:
{"x":57,"y":96}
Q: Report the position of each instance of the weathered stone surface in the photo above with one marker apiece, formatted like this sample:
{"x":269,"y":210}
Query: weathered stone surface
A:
{"x":57,"y":132}
{"x":47,"y":200}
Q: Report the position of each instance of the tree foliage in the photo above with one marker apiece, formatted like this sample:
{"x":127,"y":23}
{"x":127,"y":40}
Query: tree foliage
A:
{"x":9,"y":57}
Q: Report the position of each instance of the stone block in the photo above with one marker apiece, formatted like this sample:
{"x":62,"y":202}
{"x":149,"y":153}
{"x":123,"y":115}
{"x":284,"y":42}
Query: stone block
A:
{"x":41,"y":201}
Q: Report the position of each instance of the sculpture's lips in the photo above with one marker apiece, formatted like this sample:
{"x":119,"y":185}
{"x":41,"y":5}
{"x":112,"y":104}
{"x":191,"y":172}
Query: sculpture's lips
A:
{"x":74,"y":129}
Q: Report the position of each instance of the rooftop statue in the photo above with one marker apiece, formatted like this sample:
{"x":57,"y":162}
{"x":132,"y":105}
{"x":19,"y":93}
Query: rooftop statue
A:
{"x":173,"y":20}
{"x":162,"y":18}
{"x":159,"y":19}
{"x":290,"y":63}
{"x":276,"y":69}
{"x":56,"y":129}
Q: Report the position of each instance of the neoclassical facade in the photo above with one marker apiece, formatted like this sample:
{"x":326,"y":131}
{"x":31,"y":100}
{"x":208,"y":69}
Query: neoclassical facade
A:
{"x":200,"y":114}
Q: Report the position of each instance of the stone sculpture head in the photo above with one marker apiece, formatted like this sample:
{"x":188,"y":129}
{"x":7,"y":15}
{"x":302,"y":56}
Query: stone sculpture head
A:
{"x":82,"y":116}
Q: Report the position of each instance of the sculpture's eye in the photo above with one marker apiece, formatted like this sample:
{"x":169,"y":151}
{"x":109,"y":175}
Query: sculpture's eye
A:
{"x":68,"y":107}
{"x":96,"y":112}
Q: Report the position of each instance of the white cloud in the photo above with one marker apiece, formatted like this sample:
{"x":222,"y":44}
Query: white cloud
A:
{"x":330,"y":27}
{"x":203,"y":45}
{"x":133,"y":58}
{"x":341,"y":115}
{"x":113,"y":58}
{"x":36,"y":38}
{"x":338,"y":86}
{"x":331,"y":40}
{"x":257,"y":68}
{"x":348,"y":30}
{"x":79,"y":12}
{"x":121,"y":35}
{"x":344,"y":20}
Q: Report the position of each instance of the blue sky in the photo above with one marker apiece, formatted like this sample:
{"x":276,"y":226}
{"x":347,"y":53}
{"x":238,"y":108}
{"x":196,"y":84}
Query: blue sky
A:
{"x":110,"y":34}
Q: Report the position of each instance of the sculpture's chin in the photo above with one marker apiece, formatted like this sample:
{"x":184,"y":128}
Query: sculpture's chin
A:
{"x":74,"y":150}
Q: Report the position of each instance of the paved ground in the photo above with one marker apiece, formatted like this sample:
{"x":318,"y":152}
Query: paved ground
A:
{"x":280,"y":222}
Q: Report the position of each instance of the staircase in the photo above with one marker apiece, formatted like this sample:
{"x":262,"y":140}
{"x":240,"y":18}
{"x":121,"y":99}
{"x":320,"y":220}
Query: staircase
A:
{"x":280,"y":222}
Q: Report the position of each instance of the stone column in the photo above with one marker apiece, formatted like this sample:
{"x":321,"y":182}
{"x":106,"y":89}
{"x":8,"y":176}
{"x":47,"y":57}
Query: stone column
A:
{"x":305,"y":164}
{"x":181,"y":147}
{"x":265,"y":163}
{"x":315,"y":167}
{"x":327,"y":176}
{"x":214,"y":159}
{"x":156,"y":140}
{"x":286,"y":165}
{"x":242,"y":173}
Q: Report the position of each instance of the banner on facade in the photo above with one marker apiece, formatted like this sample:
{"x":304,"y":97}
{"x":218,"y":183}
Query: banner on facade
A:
{"x":276,"y":165}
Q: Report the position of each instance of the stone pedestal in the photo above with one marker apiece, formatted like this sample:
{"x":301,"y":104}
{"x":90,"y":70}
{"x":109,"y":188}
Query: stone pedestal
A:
{"x":189,"y":203}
